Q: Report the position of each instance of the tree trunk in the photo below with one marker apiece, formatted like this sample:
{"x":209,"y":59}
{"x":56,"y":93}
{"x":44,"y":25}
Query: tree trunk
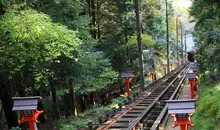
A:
{"x":95,"y":97}
{"x":89,"y":6}
{"x":86,"y":102}
{"x":93,"y":18}
{"x":75,"y":103}
{"x":1,"y":111}
{"x":82,"y":103}
{"x":72,"y":98}
{"x":11,"y":116}
{"x":98,"y":19}
{"x":20,"y":88}
{"x":90,"y":14}
{"x":66,"y":101}
{"x":101,"y":99}
{"x":91,"y":99}
{"x":128,"y":61}
{"x":53,"y":91}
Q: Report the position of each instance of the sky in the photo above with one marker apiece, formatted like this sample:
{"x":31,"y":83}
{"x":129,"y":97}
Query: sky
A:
{"x":189,"y":43}
{"x":185,"y":3}
{"x":181,"y":8}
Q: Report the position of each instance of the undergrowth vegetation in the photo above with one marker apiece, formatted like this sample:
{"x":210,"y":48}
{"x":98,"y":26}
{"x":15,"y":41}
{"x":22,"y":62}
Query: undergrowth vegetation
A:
{"x":207,"y":116}
{"x":96,"y":115}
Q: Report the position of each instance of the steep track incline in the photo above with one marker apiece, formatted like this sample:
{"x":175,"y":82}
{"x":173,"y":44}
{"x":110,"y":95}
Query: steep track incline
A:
{"x":148,"y":112}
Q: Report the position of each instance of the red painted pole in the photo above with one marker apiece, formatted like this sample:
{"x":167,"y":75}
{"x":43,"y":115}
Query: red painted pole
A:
{"x":152,"y":76}
{"x":165,"y":70}
{"x":184,"y":124}
{"x":128,"y":90}
{"x":191,"y":90}
{"x":183,"y":127}
{"x":127,"y":81}
{"x":192,"y":86}
{"x":32,"y":120}
{"x":32,"y":125}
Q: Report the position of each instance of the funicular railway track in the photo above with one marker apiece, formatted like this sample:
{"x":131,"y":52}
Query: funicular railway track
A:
{"x":148,"y":112}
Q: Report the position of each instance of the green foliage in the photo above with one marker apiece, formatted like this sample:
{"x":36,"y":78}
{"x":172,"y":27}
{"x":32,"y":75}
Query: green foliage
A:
{"x":97,"y":111}
{"x":31,"y":44}
{"x":92,"y":114}
{"x":3,"y":2}
{"x":48,"y":105}
{"x":116,"y":101}
{"x":30,"y":39}
{"x":207,"y":34}
{"x":15,"y":128}
{"x":29,"y":28}
{"x":207,"y":112}
{"x":72,"y":123}
{"x":118,"y":39}
{"x":96,"y":72}
{"x":147,"y":41}
{"x":70,"y":13}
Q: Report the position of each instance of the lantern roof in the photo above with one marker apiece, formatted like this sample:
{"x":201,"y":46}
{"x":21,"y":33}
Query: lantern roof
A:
{"x":25,"y":103}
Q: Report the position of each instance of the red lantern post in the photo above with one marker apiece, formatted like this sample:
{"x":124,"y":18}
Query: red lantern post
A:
{"x":192,"y":81}
{"x":127,"y":82}
{"x":171,"y":67}
{"x":181,"y":111}
{"x":194,"y":69}
{"x":165,"y":69}
{"x":180,"y":62}
{"x":177,"y":64}
{"x":28,"y":108}
{"x":32,"y":120}
{"x":153,"y":76}
{"x":183,"y":123}
{"x":127,"y":78}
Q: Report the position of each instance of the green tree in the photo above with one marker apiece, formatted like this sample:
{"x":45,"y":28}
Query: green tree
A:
{"x":30,"y":44}
{"x":206,"y":33}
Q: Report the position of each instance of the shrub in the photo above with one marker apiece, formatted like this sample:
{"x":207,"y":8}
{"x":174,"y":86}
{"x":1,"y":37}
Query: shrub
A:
{"x":15,"y":128}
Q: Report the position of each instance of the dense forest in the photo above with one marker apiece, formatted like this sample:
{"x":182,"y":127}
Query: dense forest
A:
{"x":71,"y":52}
{"x":206,"y":33}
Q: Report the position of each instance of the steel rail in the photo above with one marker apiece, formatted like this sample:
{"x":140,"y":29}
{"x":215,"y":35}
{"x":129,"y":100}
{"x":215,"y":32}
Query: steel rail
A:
{"x":136,"y":121}
{"x":134,"y":113}
{"x":164,"y":111}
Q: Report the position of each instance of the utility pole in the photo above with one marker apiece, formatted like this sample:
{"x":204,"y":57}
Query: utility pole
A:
{"x":185,"y":47}
{"x":182,"y":42}
{"x":168,"y":47}
{"x":177,"y":39}
{"x":139,"y":45}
